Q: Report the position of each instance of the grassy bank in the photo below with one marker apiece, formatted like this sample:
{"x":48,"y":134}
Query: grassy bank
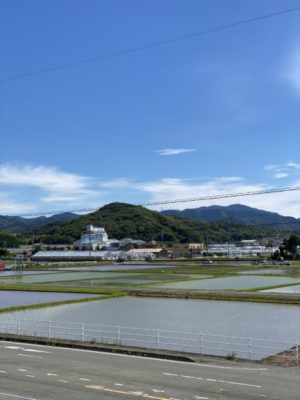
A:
{"x":62,"y":289}
{"x":277,"y":298}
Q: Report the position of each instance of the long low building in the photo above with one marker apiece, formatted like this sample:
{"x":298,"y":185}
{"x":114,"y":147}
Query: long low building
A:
{"x":234,"y":250}
{"x":99,"y":255}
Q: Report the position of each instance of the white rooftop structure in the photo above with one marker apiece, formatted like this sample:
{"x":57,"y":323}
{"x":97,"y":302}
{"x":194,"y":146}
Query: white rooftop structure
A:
{"x":234,"y":250}
{"x":93,"y":238}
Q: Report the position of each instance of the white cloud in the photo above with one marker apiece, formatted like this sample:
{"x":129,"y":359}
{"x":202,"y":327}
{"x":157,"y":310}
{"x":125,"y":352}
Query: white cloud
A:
{"x":280,"y":175}
{"x":286,"y":203}
{"x":173,"y":152}
{"x":117,"y":183}
{"x":283,"y":171}
{"x":293,"y":165}
{"x":229,"y":179}
{"x":47,"y":178}
{"x":8,"y":205}
{"x":272,"y":167}
{"x":44,"y":185}
{"x":34,"y":188}
{"x":171,"y":189}
{"x":292,"y":73}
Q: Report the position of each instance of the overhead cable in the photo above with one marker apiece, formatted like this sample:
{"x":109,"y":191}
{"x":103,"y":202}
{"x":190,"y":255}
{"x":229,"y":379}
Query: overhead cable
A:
{"x":151,"y":45}
{"x":170,"y":201}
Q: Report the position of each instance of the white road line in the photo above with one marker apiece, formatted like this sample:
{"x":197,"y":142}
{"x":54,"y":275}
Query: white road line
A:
{"x":169,"y":374}
{"x":36,"y":351}
{"x":216,"y":380}
{"x":22,"y":370}
{"x":151,"y":359}
{"x":201,"y":398}
{"x":30,"y":376}
{"x":241,"y":384}
{"x":61,"y":380}
{"x":12,"y":347}
{"x":16,"y":396}
{"x":118,"y":384}
{"x":50,"y":374}
{"x":85,"y":379}
{"x":29,"y":355}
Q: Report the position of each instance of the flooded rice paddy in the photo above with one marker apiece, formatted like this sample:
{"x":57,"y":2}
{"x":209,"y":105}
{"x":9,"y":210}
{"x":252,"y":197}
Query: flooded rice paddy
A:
{"x":230,"y":283}
{"x":11,"y":298}
{"x":228,"y":318}
{"x":232,"y":319}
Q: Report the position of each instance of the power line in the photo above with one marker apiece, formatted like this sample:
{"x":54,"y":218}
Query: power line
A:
{"x":152,"y":45}
{"x":221,"y":196}
{"x":174,"y":201}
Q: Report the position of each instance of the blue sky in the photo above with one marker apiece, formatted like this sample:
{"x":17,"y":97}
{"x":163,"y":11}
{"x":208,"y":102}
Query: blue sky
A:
{"x":218,"y":113}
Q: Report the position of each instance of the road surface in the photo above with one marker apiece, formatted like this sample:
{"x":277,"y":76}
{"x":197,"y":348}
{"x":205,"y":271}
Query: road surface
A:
{"x":32,"y":372}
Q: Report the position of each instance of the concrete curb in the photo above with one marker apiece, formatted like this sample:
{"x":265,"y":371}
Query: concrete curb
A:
{"x":134,"y":351}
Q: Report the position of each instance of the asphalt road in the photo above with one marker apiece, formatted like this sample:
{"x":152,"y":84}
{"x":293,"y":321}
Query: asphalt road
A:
{"x":32,"y":372}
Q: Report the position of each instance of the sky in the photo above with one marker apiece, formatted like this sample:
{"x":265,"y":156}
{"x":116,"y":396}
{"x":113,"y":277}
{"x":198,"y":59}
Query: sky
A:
{"x":213,"y":114}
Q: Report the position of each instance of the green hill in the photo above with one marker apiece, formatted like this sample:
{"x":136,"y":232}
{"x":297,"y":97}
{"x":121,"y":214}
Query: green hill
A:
{"x":238,"y":214}
{"x":21,"y":225}
{"x":125,"y":220}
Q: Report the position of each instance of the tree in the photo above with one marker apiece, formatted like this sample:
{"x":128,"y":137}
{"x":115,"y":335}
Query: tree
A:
{"x":289,"y":246}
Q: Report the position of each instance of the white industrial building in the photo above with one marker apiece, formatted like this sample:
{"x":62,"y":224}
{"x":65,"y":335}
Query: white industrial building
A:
{"x":93,"y":239}
{"x":233,"y":250}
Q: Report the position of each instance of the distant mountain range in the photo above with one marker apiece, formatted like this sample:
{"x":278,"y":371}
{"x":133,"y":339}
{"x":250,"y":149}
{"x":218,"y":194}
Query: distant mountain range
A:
{"x":122,"y":220}
{"x":19,"y":224}
{"x":238,"y":214}
{"x":126,"y":220}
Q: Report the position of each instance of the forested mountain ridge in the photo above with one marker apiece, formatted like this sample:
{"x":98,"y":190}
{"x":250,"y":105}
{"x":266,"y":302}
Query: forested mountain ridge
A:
{"x":238,"y":214}
{"x":125,"y":220}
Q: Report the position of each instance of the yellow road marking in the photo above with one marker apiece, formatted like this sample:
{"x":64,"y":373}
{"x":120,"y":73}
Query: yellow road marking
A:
{"x":136,"y":394}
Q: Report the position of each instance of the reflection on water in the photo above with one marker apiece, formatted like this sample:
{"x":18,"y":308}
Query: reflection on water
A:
{"x":266,"y":321}
{"x":10,"y":298}
{"x":233,"y":283}
{"x":285,"y":289}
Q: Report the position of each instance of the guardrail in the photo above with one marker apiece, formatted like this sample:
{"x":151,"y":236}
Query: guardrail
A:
{"x":159,"y":339}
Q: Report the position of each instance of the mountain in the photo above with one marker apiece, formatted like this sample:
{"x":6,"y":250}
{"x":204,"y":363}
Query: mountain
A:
{"x":238,"y":214}
{"x":125,"y":220}
{"x":19,"y":224}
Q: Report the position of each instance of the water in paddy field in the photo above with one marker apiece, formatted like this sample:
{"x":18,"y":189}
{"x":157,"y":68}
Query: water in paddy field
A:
{"x":269,"y":321}
{"x":285,"y":289}
{"x":52,"y":277}
{"x":11,"y":298}
{"x":233,"y":283}
{"x":120,"y":267}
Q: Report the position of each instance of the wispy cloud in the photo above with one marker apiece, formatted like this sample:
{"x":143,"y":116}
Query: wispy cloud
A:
{"x":272,"y":167}
{"x":44,"y":185}
{"x":293,"y":165}
{"x":27,"y":188}
{"x":286,"y":203}
{"x":280,"y":175}
{"x":116,"y":183}
{"x":283,"y":171}
{"x":174,"y":188}
{"x":173,"y":152}
{"x":292,"y":73}
{"x":9,"y":205}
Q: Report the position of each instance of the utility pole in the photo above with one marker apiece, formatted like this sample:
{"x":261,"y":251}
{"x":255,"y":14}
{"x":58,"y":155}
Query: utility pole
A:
{"x":228,"y":245}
